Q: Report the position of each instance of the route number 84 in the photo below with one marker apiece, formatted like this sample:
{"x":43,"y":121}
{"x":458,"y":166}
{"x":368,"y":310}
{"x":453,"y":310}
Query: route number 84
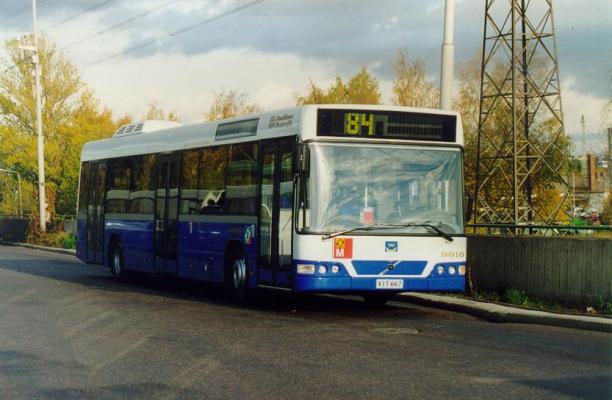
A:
{"x":356,"y":121}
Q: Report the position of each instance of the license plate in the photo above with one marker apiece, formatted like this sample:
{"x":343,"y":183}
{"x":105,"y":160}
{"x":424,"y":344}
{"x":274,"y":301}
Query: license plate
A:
{"x":389,"y":284}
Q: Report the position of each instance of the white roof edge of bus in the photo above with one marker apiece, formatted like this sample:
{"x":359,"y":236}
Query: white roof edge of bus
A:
{"x":202,"y":134}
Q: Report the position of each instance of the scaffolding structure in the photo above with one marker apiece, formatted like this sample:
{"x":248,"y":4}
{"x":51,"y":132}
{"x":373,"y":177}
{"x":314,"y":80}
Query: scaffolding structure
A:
{"x":522,"y":157}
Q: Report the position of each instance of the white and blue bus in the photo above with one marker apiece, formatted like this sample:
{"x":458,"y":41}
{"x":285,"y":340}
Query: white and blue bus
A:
{"x":353,"y":199}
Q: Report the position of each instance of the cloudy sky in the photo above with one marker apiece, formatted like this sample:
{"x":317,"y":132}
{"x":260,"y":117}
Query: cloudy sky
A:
{"x":181,"y":53}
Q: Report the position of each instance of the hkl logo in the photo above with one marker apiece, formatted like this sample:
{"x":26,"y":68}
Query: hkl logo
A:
{"x":343,"y":248}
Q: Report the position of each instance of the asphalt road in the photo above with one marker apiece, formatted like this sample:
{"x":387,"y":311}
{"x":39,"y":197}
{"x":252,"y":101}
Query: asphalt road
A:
{"x":68,"y":331}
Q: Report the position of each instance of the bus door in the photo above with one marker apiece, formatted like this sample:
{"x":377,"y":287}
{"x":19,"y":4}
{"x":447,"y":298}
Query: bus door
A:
{"x":276,"y":214}
{"x":95,"y":213}
{"x":165,"y":241}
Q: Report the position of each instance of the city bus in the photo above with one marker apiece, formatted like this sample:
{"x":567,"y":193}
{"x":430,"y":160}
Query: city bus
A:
{"x":346,"y":199}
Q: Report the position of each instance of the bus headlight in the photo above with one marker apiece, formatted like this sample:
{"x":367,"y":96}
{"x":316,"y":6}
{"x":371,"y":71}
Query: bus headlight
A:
{"x":308,"y":269}
{"x":335,"y":269}
{"x":462,"y":270}
{"x":322,"y":269}
{"x":440,"y":269}
{"x":451,"y":270}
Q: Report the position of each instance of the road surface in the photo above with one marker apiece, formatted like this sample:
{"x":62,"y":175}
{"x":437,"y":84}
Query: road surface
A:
{"x":68,"y":331}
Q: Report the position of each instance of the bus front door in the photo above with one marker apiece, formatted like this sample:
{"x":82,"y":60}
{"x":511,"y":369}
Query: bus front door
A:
{"x":276,"y":214}
{"x":165,"y":245}
{"x":95,"y":213}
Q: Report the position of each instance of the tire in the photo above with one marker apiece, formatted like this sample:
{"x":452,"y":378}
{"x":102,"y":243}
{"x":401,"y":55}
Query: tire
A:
{"x":236,"y":277}
{"x":376,"y":300}
{"x":116,"y":261}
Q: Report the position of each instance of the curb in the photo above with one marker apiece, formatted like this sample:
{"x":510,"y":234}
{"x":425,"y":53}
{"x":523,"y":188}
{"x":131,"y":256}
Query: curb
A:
{"x":501,"y":313}
{"x":43,"y":248}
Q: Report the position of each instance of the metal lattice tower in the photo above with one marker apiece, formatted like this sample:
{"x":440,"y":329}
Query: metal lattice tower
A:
{"x":522,"y":149}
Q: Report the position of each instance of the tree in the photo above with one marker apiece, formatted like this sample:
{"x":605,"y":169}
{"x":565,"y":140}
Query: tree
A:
{"x":411,"y":87}
{"x":71,"y":116}
{"x":156,"y":112}
{"x":361,"y":88}
{"x":231,"y":104}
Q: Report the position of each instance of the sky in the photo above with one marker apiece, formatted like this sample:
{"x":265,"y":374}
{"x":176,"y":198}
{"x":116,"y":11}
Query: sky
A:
{"x":182,"y":53}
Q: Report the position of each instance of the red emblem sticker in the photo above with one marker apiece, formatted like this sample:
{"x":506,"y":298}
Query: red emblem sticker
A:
{"x":343,"y":248}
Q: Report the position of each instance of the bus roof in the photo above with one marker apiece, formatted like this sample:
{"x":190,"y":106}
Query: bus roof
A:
{"x":265,"y":125}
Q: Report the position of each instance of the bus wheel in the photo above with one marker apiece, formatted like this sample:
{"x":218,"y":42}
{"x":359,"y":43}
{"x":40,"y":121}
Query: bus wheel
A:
{"x":376,"y":300}
{"x":236,"y":278}
{"x":116,"y":260}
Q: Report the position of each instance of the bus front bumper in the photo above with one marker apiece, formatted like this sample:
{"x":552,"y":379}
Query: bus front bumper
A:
{"x":346,"y":284}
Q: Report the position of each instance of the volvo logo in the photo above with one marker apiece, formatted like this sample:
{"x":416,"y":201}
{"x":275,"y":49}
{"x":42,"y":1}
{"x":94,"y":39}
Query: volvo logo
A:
{"x":390,"y":267}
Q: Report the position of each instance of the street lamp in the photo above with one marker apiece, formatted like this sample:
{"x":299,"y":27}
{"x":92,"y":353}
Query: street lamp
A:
{"x":448,"y":55}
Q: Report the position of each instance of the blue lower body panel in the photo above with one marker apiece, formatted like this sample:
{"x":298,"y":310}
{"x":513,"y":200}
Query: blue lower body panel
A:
{"x":345,"y":284}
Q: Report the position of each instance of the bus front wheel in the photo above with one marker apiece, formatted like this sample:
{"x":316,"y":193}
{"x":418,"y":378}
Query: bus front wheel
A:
{"x":236,"y":277}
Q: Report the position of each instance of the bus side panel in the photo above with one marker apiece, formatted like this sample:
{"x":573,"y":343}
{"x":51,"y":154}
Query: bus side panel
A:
{"x":202,"y":248}
{"x":136,"y":240}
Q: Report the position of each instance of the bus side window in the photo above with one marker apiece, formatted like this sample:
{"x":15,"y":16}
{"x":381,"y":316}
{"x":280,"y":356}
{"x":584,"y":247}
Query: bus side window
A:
{"x":189,"y":182}
{"x":118,"y":194}
{"x":211,"y":180}
{"x":141,"y":192}
{"x":241,"y":186}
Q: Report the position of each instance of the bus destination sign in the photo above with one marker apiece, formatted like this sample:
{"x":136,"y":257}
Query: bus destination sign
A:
{"x":387,"y":125}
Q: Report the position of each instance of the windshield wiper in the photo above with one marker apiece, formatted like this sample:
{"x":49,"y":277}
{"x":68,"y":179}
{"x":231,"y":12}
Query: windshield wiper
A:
{"x":390,"y":226}
{"x":345,"y":231}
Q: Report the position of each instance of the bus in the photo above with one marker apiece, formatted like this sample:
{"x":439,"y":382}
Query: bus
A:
{"x":346,"y":199}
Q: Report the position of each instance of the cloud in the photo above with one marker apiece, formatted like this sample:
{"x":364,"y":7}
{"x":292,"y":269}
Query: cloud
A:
{"x":577,"y":104}
{"x":332,"y":37}
{"x":188,"y":83}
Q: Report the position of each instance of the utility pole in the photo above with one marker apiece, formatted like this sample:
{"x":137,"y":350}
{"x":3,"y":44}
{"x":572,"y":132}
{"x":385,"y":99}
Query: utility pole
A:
{"x":520,"y":87}
{"x":448,"y":55}
{"x":41,"y":149}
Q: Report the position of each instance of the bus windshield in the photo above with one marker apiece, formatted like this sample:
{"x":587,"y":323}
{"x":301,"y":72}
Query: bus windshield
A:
{"x":355,"y":185}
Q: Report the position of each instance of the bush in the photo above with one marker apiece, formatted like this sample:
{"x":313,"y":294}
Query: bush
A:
{"x":515,"y":296}
{"x":69,"y":242}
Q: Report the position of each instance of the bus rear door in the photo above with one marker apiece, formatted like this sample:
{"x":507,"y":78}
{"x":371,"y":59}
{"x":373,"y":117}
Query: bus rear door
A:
{"x":276,"y":214}
{"x":165,"y":245}
{"x":95,"y":213}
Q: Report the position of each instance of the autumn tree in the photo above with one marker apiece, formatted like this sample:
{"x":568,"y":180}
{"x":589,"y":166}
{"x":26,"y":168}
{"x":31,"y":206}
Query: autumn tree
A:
{"x":410,"y":86}
{"x":71,"y":116}
{"x":361,"y":88}
{"x":229,"y":104}
{"x":156,"y":112}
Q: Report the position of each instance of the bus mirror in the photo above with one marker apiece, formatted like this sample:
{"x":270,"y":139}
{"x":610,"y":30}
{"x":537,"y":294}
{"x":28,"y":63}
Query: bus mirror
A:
{"x":302,"y":160}
{"x":468,"y":205}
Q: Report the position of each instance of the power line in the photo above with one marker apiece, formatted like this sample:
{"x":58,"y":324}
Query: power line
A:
{"x":118,"y":25}
{"x":19,"y":11}
{"x":71,"y":18}
{"x":176,"y":33}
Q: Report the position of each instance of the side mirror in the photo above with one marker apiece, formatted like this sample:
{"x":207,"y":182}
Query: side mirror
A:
{"x":468,"y":205}
{"x":301,"y":160}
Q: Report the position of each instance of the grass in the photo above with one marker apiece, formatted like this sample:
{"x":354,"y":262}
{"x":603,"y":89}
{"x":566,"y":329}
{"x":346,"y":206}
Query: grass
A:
{"x":517,"y":297}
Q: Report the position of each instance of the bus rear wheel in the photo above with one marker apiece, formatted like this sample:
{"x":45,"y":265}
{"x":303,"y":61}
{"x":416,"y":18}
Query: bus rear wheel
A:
{"x":116,"y":260}
{"x":376,"y":300}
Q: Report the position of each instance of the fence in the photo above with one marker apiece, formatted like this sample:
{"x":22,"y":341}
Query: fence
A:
{"x":555,"y":268}
{"x":13,"y":229}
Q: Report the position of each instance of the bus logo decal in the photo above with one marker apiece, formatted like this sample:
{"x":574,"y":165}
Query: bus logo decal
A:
{"x":343,"y":248}
{"x":391,"y":247}
{"x":249,"y":233}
